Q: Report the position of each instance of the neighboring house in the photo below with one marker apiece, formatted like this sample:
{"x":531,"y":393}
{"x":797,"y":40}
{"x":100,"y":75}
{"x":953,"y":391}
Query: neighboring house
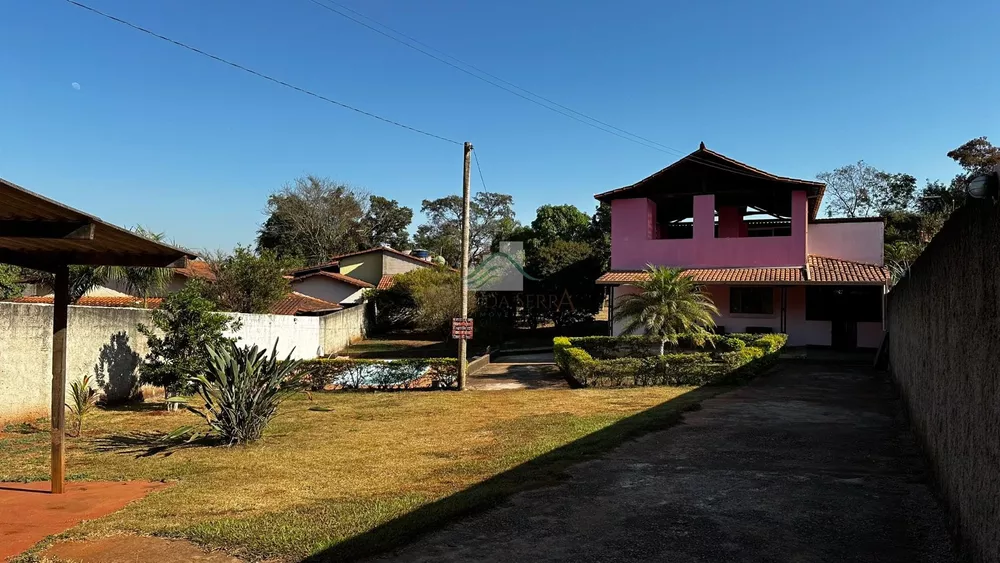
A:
{"x":331,"y":287}
{"x":754,"y":240}
{"x":375,"y":266}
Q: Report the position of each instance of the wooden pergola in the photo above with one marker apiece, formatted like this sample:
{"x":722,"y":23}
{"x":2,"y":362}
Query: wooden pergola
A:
{"x":36,"y":232}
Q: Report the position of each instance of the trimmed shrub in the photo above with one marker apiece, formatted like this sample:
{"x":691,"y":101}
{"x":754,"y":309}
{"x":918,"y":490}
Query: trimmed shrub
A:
{"x":597,"y":361}
{"x":730,"y":344}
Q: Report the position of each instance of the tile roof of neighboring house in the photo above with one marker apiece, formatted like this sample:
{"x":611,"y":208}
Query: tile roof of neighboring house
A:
{"x":334,"y":260}
{"x":87,"y":301}
{"x":196,"y":269}
{"x":819,"y":270}
{"x":824,"y":269}
{"x":339,"y":277}
{"x":386,"y":281}
{"x":295,"y":303}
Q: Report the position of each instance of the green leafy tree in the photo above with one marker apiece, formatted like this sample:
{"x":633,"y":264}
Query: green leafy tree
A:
{"x":386,"y":223}
{"x":248,"y":282}
{"x":312,"y":219}
{"x":559,"y":222}
{"x":491,"y":218}
{"x":600,"y":235}
{"x":183,"y":329}
{"x":668,"y":305}
{"x":10,"y":282}
{"x":567,"y":270}
{"x":426,"y":299}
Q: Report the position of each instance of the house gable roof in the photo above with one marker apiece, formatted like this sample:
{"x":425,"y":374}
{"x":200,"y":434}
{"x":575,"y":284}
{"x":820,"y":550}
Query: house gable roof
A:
{"x":296,"y":303}
{"x":692,"y":170}
{"x":335,"y":260}
{"x":336,"y":277}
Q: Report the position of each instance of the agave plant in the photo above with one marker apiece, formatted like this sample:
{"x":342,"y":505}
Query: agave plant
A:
{"x":83,"y":397}
{"x":241,"y":390}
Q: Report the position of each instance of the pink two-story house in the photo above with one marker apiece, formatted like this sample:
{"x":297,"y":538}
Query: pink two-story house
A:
{"x":754,"y":240}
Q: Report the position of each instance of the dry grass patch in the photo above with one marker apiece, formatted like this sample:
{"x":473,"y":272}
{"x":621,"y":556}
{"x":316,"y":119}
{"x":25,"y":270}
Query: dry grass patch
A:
{"x":374,"y":470}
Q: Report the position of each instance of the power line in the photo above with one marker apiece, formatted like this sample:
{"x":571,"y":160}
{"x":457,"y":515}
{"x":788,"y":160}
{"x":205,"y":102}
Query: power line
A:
{"x":260,"y":74}
{"x":647,"y":144}
{"x":475,"y":155}
{"x":514,"y":89}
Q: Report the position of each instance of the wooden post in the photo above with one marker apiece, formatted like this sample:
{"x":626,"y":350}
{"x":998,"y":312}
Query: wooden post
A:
{"x":60,"y":318}
{"x":463,"y":368}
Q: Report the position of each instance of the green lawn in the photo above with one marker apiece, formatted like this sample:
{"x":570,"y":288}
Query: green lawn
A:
{"x":375,"y":470}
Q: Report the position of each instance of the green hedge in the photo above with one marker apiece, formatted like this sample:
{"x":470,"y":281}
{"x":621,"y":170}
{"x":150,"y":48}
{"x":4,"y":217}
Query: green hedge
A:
{"x":735,"y":357}
{"x":381,"y":374}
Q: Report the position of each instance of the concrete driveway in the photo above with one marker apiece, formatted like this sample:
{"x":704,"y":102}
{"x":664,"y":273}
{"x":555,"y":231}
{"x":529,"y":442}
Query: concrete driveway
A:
{"x":811,"y":463}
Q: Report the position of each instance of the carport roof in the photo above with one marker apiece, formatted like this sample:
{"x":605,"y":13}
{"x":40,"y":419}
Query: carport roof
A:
{"x":38,"y":232}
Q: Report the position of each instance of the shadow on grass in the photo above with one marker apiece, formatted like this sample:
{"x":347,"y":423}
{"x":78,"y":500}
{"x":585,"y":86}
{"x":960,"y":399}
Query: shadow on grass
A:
{"x":135,"y":406}
{"x":545,"y":470}
{"x":148,"y":444}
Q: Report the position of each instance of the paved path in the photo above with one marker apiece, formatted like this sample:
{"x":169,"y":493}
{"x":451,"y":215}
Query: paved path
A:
{"x":811,"y":463}
{"x":522,"y":371}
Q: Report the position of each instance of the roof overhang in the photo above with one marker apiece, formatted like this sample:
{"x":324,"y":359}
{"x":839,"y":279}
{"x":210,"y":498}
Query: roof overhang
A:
{"x":707,"y":172}
{"x":818,"y":270}
{"x":37,"y":232}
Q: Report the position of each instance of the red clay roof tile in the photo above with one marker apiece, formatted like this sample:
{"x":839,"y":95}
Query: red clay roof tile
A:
{"x":819,"y":270}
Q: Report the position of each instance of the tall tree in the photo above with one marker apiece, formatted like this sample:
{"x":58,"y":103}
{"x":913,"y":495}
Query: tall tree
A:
{"x":491,"y":218}
{"x":313,"y":218}
{"x":976,"y":157}
{"x":600,"y":234}
{"x":246,"y":282}
{"x":861,"y":190}
{"x":560,"y":222}
{"x":386,"y":223}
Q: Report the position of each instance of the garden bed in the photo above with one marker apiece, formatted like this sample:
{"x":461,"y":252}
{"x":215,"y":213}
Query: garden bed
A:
{"x":634,"y":361}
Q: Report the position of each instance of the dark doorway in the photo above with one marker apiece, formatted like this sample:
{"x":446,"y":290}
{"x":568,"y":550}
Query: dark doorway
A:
{"x":845,"y":334}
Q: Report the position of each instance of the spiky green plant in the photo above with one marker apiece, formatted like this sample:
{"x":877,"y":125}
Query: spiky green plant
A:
{"x":669,"y":305}
{"x":241,"y":390}
{"x":82,"y":397}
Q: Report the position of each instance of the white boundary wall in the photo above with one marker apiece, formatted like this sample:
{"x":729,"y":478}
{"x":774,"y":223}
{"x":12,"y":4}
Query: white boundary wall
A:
{"x":104,"y":343}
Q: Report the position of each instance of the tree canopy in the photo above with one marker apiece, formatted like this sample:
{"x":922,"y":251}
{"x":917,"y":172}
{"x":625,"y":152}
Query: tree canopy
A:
{"x":491,"y":217}
{"x":248,"y":282}
{"x":312,"y":219}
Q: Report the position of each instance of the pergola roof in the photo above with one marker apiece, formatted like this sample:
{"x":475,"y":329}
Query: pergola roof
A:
{"x":37,"y":232}
{"x":707,"y":172}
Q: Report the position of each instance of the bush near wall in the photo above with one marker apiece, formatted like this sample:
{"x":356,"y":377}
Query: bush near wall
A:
{"x":628,"y":361}
{"x":384,"y":375}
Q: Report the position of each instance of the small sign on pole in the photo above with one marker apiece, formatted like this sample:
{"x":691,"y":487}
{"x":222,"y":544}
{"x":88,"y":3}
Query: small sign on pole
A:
{"x":461,"y":329}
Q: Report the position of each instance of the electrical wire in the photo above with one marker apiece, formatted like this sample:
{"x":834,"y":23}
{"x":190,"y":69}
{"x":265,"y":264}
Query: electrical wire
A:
{"x":260,"y":74}
{"x":475,"y":155}
{"x":498,"y":82}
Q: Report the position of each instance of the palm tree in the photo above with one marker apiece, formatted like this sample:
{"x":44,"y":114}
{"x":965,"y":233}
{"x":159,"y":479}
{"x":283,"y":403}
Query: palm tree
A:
{"x":142,"y":282}
{"x":668,"y":306}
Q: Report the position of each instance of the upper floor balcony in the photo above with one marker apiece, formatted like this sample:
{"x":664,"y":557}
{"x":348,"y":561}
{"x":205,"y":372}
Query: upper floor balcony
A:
{"x":709,"y":211}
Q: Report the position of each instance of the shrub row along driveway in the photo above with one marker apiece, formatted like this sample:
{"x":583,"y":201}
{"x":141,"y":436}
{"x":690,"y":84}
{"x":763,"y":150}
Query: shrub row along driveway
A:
{"x":810,"y":463}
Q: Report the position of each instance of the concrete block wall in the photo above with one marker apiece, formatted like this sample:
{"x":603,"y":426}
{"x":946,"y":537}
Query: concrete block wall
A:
{"x":104,"y":343}
{"x":944,"y":335}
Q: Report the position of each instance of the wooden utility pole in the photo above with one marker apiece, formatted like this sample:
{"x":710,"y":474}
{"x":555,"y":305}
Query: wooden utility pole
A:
{"x":463,"y":349}
{"x":60,"y":318}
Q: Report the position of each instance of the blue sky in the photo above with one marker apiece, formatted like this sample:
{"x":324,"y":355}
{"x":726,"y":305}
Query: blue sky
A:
{"x":158,"y":136}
